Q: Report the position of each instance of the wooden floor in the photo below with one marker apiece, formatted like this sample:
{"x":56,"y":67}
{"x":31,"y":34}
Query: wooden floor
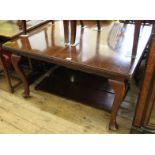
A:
{"x":48,"y":113}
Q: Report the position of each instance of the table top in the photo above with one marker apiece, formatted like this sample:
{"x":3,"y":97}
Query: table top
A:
{"x":107,"y":53}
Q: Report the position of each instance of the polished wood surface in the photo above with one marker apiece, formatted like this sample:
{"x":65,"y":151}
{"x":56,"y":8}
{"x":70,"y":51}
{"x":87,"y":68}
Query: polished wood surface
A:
{"x":107,"y":53}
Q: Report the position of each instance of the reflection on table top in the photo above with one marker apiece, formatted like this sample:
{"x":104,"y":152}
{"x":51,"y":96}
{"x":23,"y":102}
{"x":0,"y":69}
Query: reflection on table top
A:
{"x":108,"y":52}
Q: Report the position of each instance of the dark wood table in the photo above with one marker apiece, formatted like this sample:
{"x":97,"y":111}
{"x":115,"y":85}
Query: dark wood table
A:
{"x":106,"y":53}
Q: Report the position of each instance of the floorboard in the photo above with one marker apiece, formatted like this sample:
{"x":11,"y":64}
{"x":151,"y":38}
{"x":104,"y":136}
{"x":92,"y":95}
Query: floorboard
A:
{"x":50,"y":113}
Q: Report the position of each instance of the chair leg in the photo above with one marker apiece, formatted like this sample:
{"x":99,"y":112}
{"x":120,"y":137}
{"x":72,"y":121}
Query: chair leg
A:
{"x":52,"y":21}
{"x":98,"y":25}
{"x":4,"y":66}
{"x":136,"y":37}
{"x":73,"y":32}
{"x":82,"y":24}
{"x":15,"y":62}
{"x":66,"y":31}
{"x":24,"y":27}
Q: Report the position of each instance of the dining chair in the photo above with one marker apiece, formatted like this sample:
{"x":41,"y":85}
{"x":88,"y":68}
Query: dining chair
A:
{"x":5,"y":60}
{"x":5,"y":57}
{"x":138,"y":24}
{"x":98,"y":23}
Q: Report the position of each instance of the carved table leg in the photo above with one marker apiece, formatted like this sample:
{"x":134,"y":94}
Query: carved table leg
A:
{"x":120,"y":90}
{"x":15,"y":62}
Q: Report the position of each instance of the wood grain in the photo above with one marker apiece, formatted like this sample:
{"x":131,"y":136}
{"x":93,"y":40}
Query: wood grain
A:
{"x":49,"y":113}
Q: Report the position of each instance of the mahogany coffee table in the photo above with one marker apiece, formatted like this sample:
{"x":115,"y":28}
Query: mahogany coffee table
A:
{"x":106,"y":53}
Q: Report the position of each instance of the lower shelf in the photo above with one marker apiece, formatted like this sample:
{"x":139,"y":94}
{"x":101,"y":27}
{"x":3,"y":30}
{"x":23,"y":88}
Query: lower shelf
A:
{"x":75,"y":85}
